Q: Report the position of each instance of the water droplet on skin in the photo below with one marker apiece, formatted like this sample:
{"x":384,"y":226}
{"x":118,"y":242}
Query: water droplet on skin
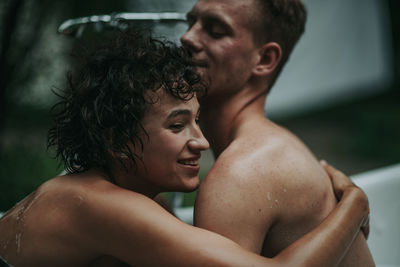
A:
{"x":20,"y":214}
{"x":269,"y":195}
{"x":18,"y":241}
{"x":6,"y":245}
{"x":78,"y":200}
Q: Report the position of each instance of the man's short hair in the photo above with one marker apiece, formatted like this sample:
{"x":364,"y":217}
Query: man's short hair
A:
{"x":103,"y":103}
{"x":280,"y":21}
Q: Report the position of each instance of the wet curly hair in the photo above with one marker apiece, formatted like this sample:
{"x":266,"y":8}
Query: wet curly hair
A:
{"x":101,"y":108}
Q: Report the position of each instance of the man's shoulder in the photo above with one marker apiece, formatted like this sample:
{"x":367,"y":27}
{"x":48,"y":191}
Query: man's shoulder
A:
{"x":270,"y":160}
{"x":267,"y":154}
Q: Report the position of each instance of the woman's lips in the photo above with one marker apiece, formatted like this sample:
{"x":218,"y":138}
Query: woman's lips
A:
{"x":192,"y":164}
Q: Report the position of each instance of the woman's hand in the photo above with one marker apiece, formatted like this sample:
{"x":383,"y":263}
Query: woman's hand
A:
{"x":343,"y":185}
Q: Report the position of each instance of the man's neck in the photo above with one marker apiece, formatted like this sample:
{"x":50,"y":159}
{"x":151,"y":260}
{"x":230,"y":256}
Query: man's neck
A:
{"x":221,"y":119}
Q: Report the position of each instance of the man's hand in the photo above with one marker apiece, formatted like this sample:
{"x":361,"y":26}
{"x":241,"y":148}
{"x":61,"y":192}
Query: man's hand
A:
{"x":341,"y":185}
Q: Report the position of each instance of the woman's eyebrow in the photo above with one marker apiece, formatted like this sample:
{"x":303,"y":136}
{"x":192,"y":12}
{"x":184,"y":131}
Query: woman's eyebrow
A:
{"x":178,"y":112}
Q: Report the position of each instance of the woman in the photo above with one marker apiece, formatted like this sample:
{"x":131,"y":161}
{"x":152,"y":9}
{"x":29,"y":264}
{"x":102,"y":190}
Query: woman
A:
{"x":126,"y":129}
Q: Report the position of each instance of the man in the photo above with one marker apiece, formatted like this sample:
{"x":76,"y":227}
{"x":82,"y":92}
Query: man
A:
{"x":266,"y":189}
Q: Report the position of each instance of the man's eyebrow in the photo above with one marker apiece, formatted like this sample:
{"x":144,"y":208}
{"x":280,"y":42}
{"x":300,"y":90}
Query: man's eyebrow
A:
{"x":210,"y":16}
{"x":178,"y":112}
{"x":214,"y":17}
{"x":217,"y":19}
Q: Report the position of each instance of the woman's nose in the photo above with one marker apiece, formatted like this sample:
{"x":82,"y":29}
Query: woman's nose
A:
{"x":199,"y":142}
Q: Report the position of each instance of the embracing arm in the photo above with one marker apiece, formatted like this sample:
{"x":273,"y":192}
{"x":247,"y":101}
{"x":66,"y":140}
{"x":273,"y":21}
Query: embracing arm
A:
{"x":137,"y":231}
{"x":327,"y":244}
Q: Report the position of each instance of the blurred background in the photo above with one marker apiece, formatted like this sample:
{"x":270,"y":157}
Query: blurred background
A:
{"x":339,"y":91}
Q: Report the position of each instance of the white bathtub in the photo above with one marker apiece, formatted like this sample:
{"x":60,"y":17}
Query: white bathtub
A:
{"x":382,"y":187}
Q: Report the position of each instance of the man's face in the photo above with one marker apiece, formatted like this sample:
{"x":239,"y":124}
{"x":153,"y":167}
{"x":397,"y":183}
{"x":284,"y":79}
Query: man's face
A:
{"x":172,"y":150}
{"x":221,"y":41}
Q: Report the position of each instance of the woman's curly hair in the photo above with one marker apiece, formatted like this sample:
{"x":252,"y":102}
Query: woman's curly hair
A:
{"x":102,"y":105}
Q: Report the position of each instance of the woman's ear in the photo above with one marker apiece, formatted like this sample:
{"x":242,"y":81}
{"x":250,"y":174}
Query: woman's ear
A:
{"x":270,"y":55}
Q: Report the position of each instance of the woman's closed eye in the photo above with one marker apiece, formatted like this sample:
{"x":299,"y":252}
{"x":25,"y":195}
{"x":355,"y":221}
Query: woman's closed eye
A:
{"x":176,"y":126}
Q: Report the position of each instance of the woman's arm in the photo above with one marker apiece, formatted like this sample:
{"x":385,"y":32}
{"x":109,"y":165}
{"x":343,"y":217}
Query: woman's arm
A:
{"x":136,"y":230}
{"x":327,"y":244}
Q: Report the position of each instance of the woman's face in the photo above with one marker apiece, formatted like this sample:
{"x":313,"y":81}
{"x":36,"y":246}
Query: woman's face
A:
{"x":173,"y":148}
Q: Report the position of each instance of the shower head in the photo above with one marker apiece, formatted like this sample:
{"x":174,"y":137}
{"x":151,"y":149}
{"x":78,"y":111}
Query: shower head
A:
{"x":75,"y":27}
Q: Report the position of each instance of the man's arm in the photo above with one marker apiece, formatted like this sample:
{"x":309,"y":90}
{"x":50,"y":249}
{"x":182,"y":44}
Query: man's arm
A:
{"x":136,"y":230}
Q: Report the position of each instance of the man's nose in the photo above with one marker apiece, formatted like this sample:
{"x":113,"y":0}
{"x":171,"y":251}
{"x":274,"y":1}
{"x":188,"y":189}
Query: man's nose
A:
{"x":190,"y":39}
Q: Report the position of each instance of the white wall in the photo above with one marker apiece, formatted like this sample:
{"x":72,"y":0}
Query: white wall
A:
{"x":382,"y":187}
{"x":345,"y":53}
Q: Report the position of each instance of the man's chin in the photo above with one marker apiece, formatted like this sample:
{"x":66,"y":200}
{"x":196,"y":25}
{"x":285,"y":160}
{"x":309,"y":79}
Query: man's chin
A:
{"x":203,"y":72}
